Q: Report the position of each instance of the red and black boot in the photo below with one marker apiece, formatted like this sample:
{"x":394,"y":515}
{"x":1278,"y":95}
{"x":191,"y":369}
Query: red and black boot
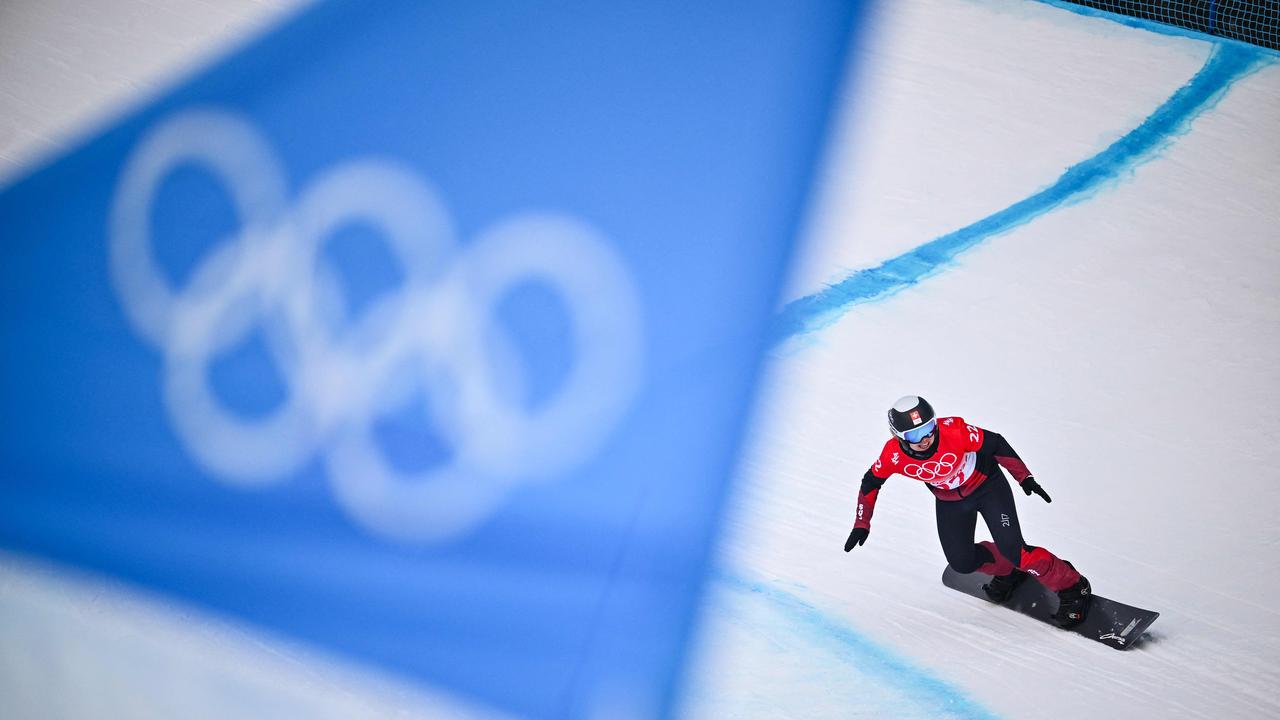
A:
{"x":1073,"y":604}
{"x":1002,"y":586}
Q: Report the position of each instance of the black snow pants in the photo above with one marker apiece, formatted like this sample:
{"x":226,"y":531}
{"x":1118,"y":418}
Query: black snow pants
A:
{"x":958,"y":518}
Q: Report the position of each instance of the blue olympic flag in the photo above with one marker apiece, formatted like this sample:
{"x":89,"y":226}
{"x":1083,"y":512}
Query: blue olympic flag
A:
{"x":422,"y":332}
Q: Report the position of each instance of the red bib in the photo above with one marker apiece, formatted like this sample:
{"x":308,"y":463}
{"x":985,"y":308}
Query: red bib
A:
{"x":949,"y":471}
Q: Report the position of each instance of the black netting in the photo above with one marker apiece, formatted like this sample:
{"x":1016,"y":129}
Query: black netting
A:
{"x":1253,"y":21}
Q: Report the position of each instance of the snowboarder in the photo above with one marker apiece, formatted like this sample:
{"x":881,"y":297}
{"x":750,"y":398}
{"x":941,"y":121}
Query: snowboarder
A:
{"x":960,"y":463}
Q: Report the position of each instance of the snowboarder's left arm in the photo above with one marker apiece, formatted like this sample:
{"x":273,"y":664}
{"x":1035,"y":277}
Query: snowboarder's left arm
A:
{"x":994,"y":445}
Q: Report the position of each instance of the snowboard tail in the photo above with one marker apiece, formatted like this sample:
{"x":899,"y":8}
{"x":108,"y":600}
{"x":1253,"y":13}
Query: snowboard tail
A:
{"x":1109,"y":622}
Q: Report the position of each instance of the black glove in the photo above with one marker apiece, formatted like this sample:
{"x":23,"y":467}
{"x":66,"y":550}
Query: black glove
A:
{"x":1029,"y":485}
{"x":857,"y":537}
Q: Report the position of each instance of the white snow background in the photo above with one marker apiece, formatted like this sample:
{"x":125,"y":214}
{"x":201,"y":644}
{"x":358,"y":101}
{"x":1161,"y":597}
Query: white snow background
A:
{"x":1124,"y":340}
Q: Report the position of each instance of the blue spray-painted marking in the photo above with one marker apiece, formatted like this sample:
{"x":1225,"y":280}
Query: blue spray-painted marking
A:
{"x":1228,"y":63}
{"x":928,"y":696}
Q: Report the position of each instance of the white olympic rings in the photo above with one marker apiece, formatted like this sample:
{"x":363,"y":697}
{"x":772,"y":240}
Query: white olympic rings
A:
{"x":932,"y":470}
{"x":435,"y":335}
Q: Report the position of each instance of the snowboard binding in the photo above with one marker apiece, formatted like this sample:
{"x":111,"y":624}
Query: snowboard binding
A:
{"x":1001,"y":587}
{"x":1073,"y":604}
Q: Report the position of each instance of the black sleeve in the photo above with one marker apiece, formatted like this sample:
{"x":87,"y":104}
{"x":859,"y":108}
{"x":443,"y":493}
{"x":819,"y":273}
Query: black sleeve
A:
{"x":995,"y":449}
{"x":994,"y":445}
{"x":870,"y":482}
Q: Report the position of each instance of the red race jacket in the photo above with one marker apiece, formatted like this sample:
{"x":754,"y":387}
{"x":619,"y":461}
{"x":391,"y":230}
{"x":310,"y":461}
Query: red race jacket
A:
{"x":961,"y":459}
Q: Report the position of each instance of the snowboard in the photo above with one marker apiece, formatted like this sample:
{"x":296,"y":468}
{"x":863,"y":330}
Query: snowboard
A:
{"x":1109,"y":622}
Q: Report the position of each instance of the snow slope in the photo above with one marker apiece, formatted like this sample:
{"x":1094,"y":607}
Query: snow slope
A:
{"x":1116,"y":338}
{"x":1117,"y":326}
{"x":68,"y":66}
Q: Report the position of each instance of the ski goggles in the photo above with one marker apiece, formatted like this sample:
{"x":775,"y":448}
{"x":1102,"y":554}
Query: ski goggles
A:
{"x":916,"y":434}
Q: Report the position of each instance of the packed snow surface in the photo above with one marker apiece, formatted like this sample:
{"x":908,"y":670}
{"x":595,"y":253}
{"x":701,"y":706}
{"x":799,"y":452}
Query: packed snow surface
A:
{"x":1123,"y":338}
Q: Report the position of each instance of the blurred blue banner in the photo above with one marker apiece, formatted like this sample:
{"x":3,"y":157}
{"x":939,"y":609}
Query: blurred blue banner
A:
{"x":423,"y":332}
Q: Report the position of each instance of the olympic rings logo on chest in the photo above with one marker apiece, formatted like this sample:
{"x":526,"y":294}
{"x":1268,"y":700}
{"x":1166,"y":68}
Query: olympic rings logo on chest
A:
{"x":438,"y":328}
{"x":933,"y":471}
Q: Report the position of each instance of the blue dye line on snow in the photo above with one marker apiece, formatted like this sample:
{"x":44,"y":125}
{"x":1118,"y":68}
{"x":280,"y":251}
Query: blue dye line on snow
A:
{"x":1228,"y":63}
{"x":928,"y":694}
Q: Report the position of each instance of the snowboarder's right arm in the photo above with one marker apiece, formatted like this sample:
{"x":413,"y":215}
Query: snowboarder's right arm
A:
{"x":871,"y":484}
